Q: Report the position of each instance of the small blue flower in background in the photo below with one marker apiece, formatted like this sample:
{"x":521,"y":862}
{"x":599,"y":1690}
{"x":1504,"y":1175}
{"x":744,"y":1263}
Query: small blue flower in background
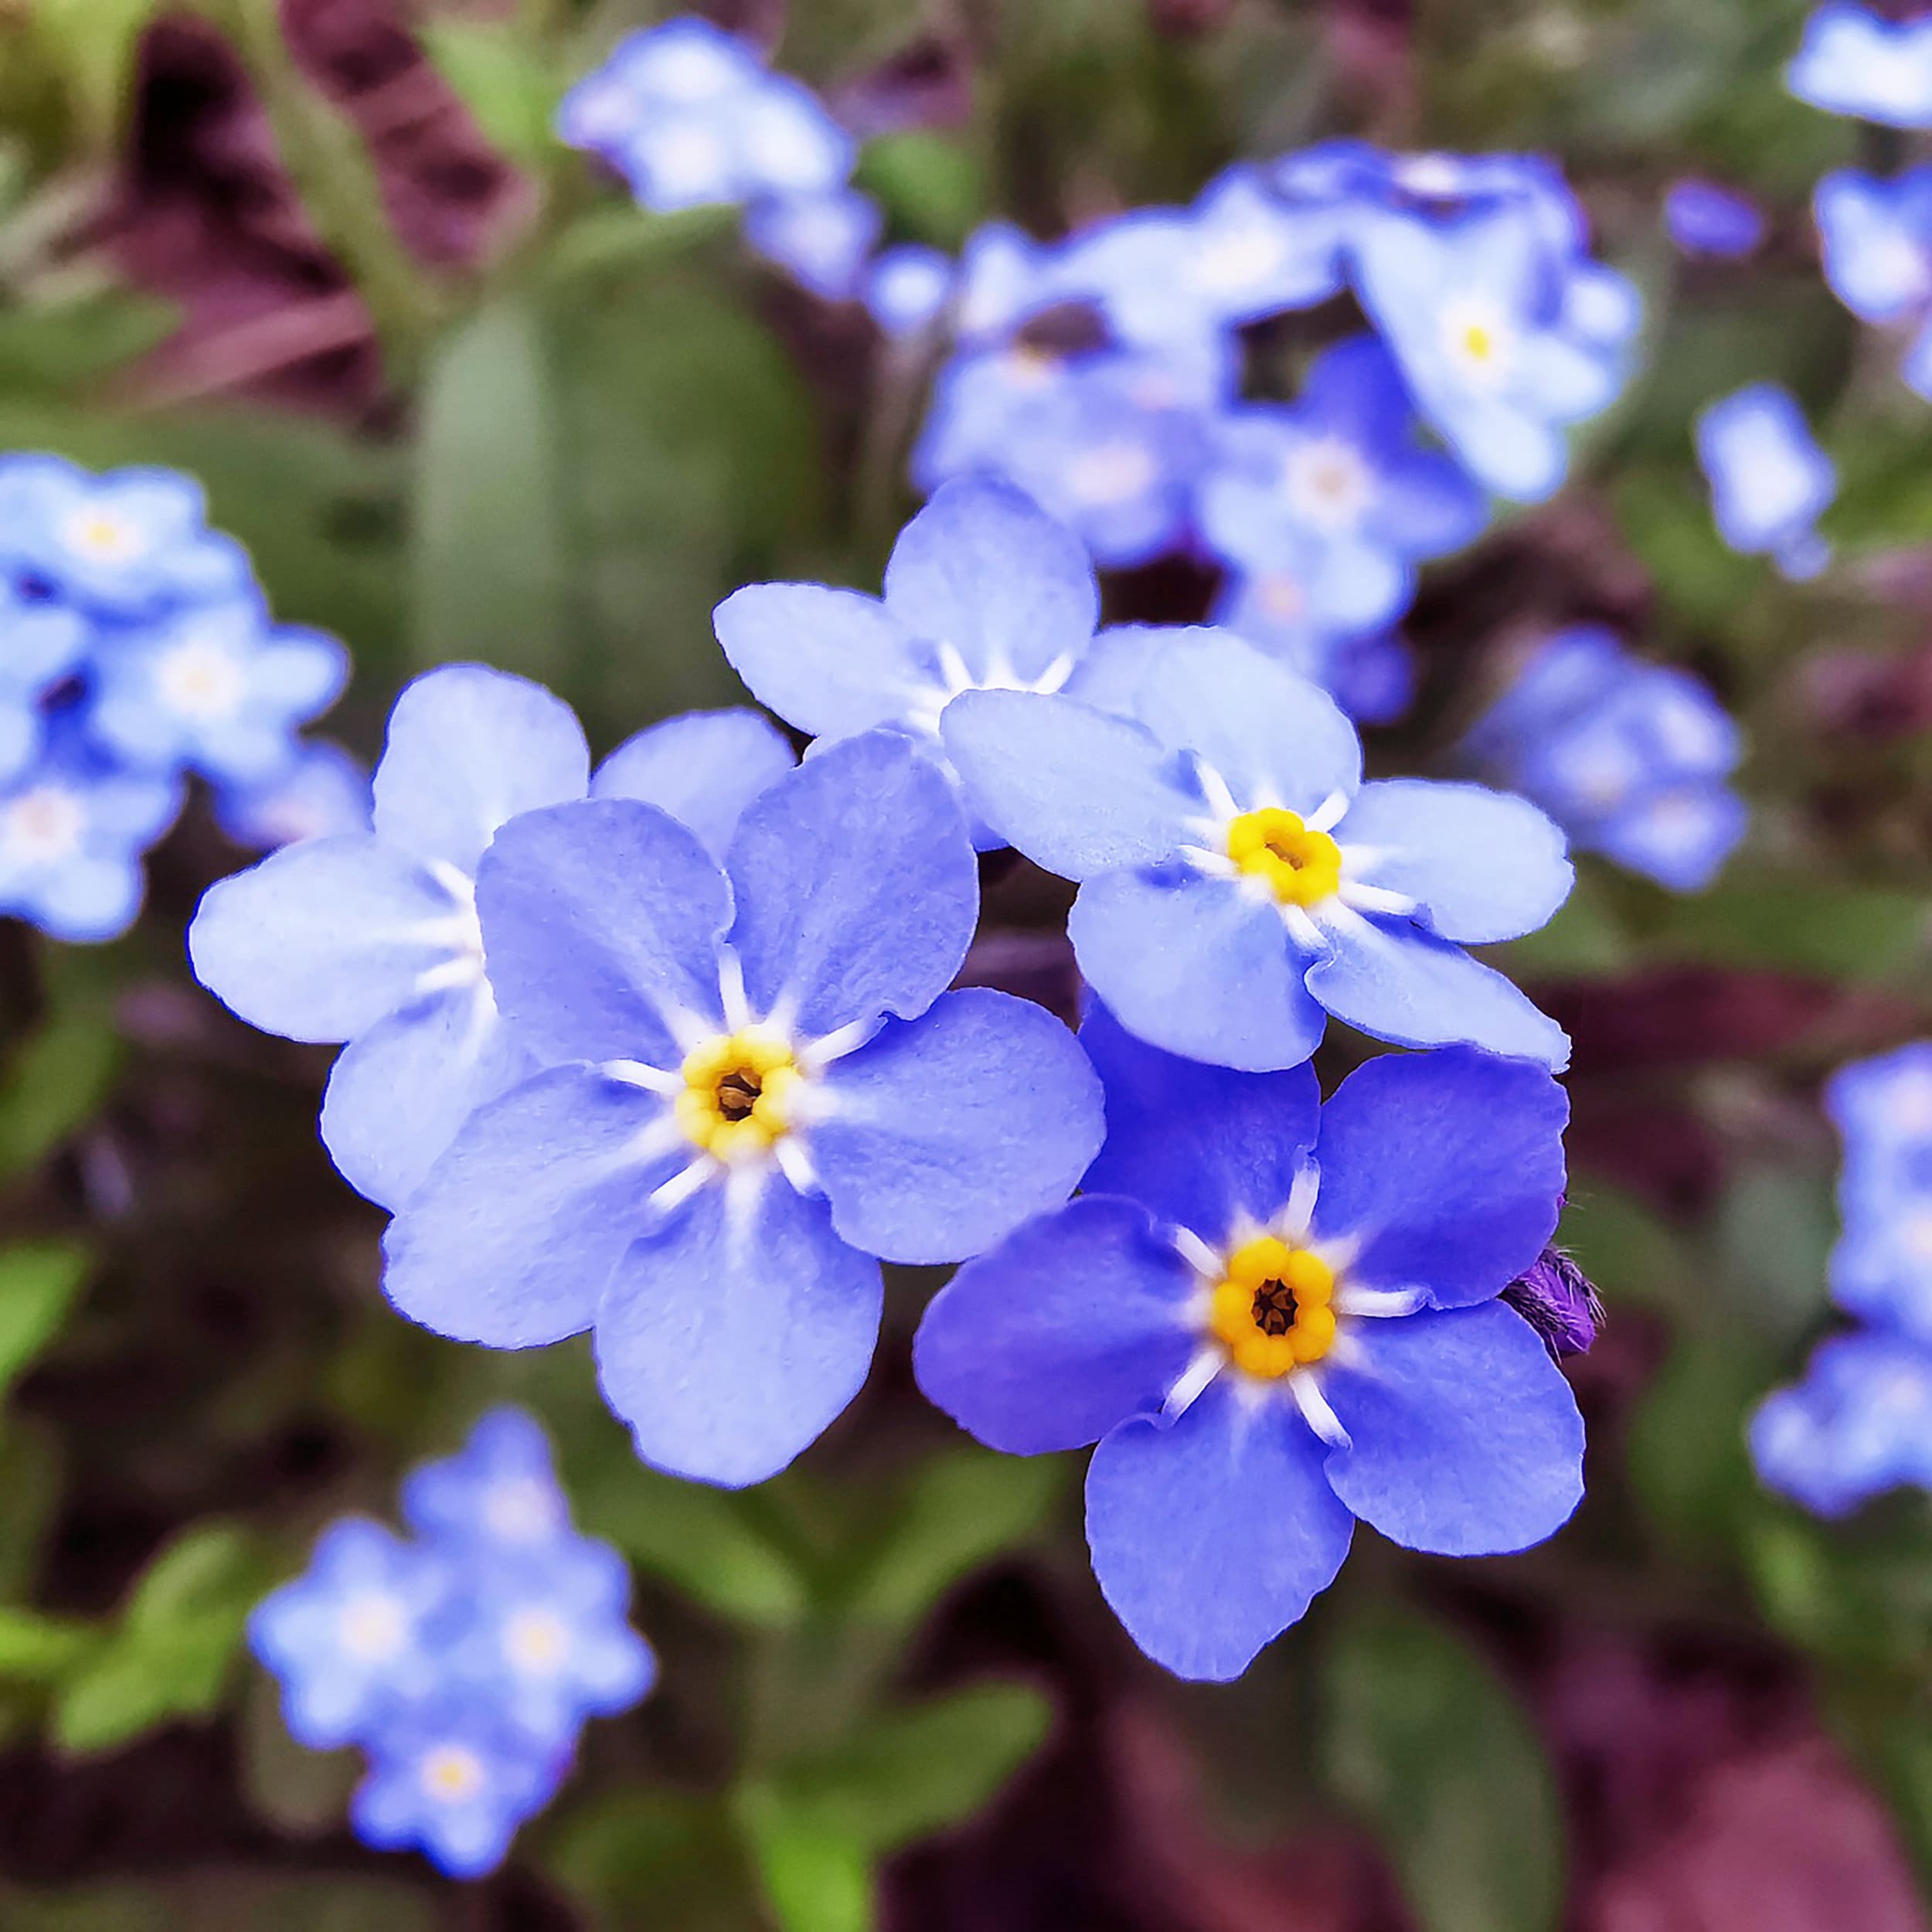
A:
{"x":1855,"y":62}
{"x":1371,"y":675}
{"x":41,"y":641}
{"x":1877,"y":241}
{"x":1859,"y":1422}
{"x":1238,"y":882}
{"x":1770,"y":481}
{"x":1631,"y":759}
{"x":1274,"y":1317}
{"x":825,"y":241}
{"x":908,"y":288}
{"x":325,"y":790}
{"x":1704,"y":219}
{"x":755,"y":1088}
{"x":1881,"y":1267}
{"x":690,"y":115}
{"x":464,"y":1663}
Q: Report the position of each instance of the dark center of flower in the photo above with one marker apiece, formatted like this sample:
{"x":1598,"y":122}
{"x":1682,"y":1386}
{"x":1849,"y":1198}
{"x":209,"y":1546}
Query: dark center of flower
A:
{"x":1274,"y":1307}
{"x":738,"y":1094}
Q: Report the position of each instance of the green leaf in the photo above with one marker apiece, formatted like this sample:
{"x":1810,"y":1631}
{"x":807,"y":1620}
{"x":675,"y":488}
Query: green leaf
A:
{"x":39,"y":1281}
{"x":1432,"y":1750}
{"x":1688,"y":1459}
{"x":814,"y":1881}
{"x":1635,"y":1258}
{"x":640,"y":1856}
{"x":502,"y":78}
{"x":59,"y":346}
{"x":93,"y":42}
{"x":1866,"y":934}
{"x":931,"y":187}
{"x":1775,"y":1230}
{"x":53,"y":1084}
{"x":38,"y":1650}
{"x":490,"y":562}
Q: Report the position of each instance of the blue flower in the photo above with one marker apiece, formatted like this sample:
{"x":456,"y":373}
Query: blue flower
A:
{"x":498,"y":1495}
{"x":41,"y":641}
{"x":909,"y":287}
{"x":1706,"y":219}
{"x":824,"y":240}
{"x":1882,"y":1266}
{"x":73,"y":829}
{"x":453,"y":1778}
{"x":1858,"y":1423}
{"x":1770,"y":481}
{"x":690,"y":115}
{"x":756,"y":1087}
{"x":1274,"y":1319}
{"x":1371,"y":675}
{"x":355,"y":1632}
{"x":1239,"y":881}
{"x":1877,"y":241}
{"x":217,"y":687}
{"x":128,"y":544}
{"x":1855,"y":62}
{"x":1630,"y":759}
{"x":703,"y":768}
{"x":325,"y":790}
{"x":1337,"y":482}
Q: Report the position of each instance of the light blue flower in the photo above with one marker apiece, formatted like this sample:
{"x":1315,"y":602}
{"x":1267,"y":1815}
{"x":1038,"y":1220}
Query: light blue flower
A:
{"x":1706,"y":219}
{"x":1770,"y":481}
{"x":1877,"y":241}
{"x":1238,"y":881}
{"x":703,"y":768}
{"x":41,"y":641}
{"x":756,"y":1087}
{"x":1855,"y":62}
{"x":1881,"y":1267}
{"x":217,"y":687}
{"x":1274,"y":1319}
{"x":1371,"y":675}
{"x":497,"y":1495}
{"x":357,"y":1632}
{"x":1859,"y":1422}
{"x":325,"y":790}
{"x":824,"y":240}
{"x":73,"y":829}
{"x":1631,"y":759}
{"x":127,"y":544}
{"x":909,"y":287}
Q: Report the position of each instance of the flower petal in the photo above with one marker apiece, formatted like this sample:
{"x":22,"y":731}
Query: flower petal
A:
{"x":398,"y":1093}
{"x":469,"y":748}
{"x":1485,"y":865}
{"x":943,"y":1134}
{"x":601,"y":922}
{"x":1401,"y":984}
{"x":1464,"y":1437}
{"x":1078,"y":1320}
{"x":857,"y":888}
{"x":1077,"y":790}
{"x":1212,"y":1535}
{"x":703,"y":768}
{"x":731,"y":1340}
{"x":511,"y":1238}
{"x":321,"y":940}
{"x":984,"y":569}
{"x":1194,"y":966}
{"x":832,"y":662}
{"x":1275,"y":737}
{"x":1446,"y":1169}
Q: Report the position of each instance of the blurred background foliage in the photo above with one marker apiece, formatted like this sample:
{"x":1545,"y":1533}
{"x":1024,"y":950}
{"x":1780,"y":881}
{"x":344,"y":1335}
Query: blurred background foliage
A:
{"x":462,"y":399}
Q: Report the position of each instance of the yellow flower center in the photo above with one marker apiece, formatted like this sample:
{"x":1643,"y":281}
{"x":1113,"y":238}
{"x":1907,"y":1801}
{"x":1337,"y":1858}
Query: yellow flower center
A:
{"x":1478,"y":342}
{"x":451,"y":1774}
{"x":738,"y":1091}
{"x":1271,"y":1308}
{"x":1302,"y":866}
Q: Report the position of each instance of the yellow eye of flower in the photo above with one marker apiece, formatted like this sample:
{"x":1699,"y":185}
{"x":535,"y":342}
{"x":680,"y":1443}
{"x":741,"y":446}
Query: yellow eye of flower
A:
{"x":1271,"y":1310}
{"x":1301,"y":866}
{"x":738,"y":1090}
{"x":1478,"y":342}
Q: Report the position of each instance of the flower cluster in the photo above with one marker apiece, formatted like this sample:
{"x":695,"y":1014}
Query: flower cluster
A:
{"x":1631,"y":759}
{"x":137,"y":649}
{"x":1861,"y":1420}
{"x":463,"y":1663}
{"x":667,"y":1053}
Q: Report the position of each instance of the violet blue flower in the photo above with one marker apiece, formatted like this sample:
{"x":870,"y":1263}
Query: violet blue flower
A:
{"x":1858,"y":1423}
{"x":1705,"y":219}
{"x":1877,"y":240}
{"x":1854,"y":61}
{"x":1770,"y":482}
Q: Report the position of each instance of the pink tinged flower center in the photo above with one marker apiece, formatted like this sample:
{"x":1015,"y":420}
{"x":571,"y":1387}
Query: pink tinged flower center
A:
{"x":522,"y":1510}
{"x":1113,"y":473}
{"x":44,"y":825}
{"x":1328,"y":482}
{"x":373,"y":1627}
{"x":1236,"y":257}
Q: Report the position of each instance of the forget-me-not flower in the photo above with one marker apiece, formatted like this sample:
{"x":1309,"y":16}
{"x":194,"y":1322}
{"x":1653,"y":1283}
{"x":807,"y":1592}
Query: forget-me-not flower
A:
{"x":1858,"y":1423}
{"x":325,"y":790}
{"x":1770,"y":482}
{"x":908,"y":288}
{"x":41,"y":641}
{"x":1876,"y":236}
{"x":1238,"y":881}
{"x":1273,"y":1319}
{"x":1371,"y":675}
{"x":1704,"y":218}
{"x":755,"y":1088}
{"x":1853,"y":61}
{"x":1882,"y":1266}
{"x":824,"y":241}
{"x":499,"y":1491}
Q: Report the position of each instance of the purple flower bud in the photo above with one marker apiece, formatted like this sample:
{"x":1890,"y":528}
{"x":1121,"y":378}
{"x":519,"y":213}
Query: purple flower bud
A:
{"x":1556,"y":1299}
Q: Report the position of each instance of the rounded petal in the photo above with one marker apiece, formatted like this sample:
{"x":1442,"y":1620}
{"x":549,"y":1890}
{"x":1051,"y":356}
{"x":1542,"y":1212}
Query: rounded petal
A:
{"x":1401,"y":984}
{"x":600,"y":920}
{"x":857,"y":888}
{"x":1201,"y":1146}
{"x":1193,"y":965}
{"x":1108,"y":676}
{"x":730,"y":1340}
{"x":703,"y":768}
{"x":1464,"y":1438}
{"x":469,"y":748}
{"x":943,"y":1134}
{"x":1078,"y":1320}
{"x":1446,"y":1168}
{"x":984,"y":569}
{"x":1275,"y":737}
{"x":1077,"y":791}
{"x":832,"y":662}
{"x":1485,"y":865}
{"x":321,"y":940}
{"x":1213,"y":1534}
{"x":399,"y":1093}
{"x":511,"y":1236}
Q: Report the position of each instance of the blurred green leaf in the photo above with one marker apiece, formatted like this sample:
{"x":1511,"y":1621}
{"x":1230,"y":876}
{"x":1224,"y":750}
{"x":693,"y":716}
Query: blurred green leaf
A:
{"x":1858,"y":1593}
{"x":53,"y":1082}
{"x":814,"y":1881}
{"x":640,"y":1856}
{"x":490,"y":562}
{"x":1688,"y":1459}
{"x":93,"y":1908}
{"x":503,"y":79}
{"x":94,"y":42}
{"x":1774,"y":1231}
{"x":1860,"y":933}
{"x":1585,"y":939}
{"x":39,"y":1281}
{"x":932,"y":188}
{"x":61,"y":345}
{"x":1432,"y":1750}
{"x":1634,"y":1256}
{"x":627,"y":237}
{"x":40,"y":1649}
{"x":30,"y":1480}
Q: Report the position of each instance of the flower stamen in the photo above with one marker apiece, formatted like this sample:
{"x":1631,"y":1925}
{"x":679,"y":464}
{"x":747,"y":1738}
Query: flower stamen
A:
{"x":738,"y":1092}
{"x":1299,"y":864}
{"x":1271,"y":1309}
